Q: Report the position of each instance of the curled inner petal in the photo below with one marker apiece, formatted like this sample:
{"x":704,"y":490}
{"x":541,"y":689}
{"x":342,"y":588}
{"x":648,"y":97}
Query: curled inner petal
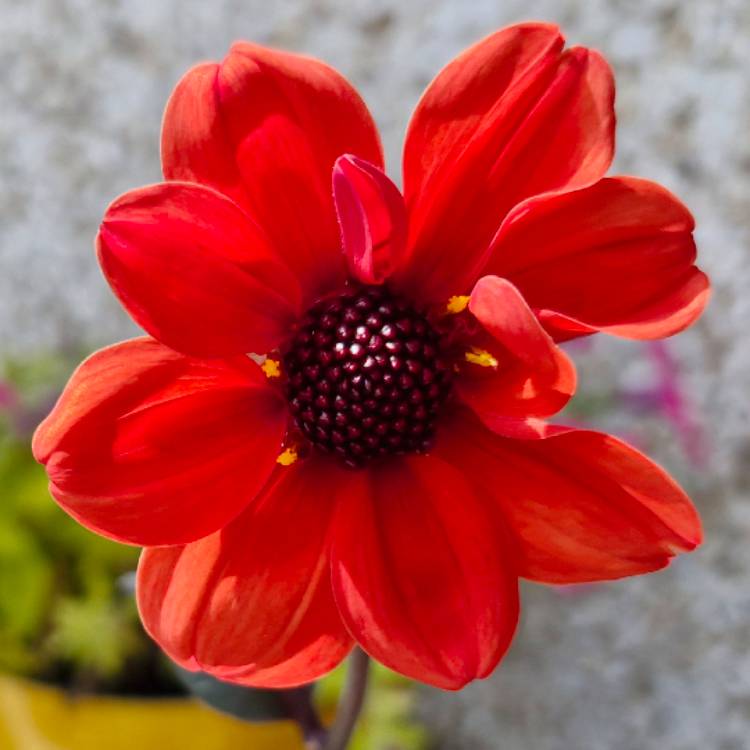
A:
{"x":372,"y":217}
{"x":513,"y":371}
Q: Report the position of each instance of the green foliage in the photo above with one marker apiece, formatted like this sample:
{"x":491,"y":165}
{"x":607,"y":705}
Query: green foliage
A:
{"x":95,"y":634}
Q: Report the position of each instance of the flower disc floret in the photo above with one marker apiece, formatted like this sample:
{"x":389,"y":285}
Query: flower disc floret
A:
{"x":366,"y":376}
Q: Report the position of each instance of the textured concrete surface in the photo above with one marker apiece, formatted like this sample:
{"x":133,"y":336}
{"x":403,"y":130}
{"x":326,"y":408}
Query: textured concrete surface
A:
{"x":660,"y":662}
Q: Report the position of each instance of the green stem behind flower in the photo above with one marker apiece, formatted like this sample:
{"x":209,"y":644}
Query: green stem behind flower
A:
{"x":350,"y":705}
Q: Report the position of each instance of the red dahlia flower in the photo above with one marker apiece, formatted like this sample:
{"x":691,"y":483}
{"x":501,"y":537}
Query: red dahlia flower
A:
{"x":385,"y":476}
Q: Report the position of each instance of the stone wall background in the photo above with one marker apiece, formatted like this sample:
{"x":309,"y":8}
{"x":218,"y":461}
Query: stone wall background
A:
{"x":659,"y":662}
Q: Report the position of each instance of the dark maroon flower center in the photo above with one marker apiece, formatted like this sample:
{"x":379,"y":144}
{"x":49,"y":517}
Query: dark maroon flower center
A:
{"x":366,"y":376}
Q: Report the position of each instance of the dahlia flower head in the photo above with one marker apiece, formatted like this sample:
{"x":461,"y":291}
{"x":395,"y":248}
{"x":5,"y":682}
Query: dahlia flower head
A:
{"x":335,"y":430}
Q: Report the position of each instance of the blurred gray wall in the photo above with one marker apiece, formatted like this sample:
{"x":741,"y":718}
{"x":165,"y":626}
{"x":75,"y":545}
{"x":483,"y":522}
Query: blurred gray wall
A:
{"x":661,"y":662}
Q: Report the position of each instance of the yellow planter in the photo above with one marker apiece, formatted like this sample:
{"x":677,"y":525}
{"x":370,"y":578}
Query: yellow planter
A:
{"x":40,"y":717}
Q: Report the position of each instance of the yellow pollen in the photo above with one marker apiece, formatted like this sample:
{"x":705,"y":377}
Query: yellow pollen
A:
{"x":480,"y":357}
{"x":271,"y":368}
{"x":288,"y":457}
{"x":457,"y":303}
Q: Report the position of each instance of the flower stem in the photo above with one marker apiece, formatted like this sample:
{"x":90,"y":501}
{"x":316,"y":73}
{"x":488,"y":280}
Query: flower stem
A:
{"x":350,"y":705}
{"x":299,"y":707}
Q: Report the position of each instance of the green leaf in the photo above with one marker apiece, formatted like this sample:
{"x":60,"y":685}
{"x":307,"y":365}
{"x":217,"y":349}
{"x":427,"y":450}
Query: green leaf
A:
{"x":249,"y":704}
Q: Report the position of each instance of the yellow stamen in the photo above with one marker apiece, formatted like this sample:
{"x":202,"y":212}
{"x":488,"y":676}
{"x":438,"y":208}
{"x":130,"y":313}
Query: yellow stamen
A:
{"x":480,"y":357}
{"x":271,"y":368}
{"x":287,"y":457}
{"x":457,"y":303}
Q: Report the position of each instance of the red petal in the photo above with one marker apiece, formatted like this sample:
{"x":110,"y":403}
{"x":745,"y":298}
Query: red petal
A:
{"x":584,"y":505}
{"x":266,"y":128}
{"x":509,"y":118}
{"x":253,"y":603}
{"x":421,"y":573}
{"x":372,"y":216}
{"x":532,"y":378}
{"x":617,"y":257}
{"x":150,"y":447}
{"x":195,"y":271}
